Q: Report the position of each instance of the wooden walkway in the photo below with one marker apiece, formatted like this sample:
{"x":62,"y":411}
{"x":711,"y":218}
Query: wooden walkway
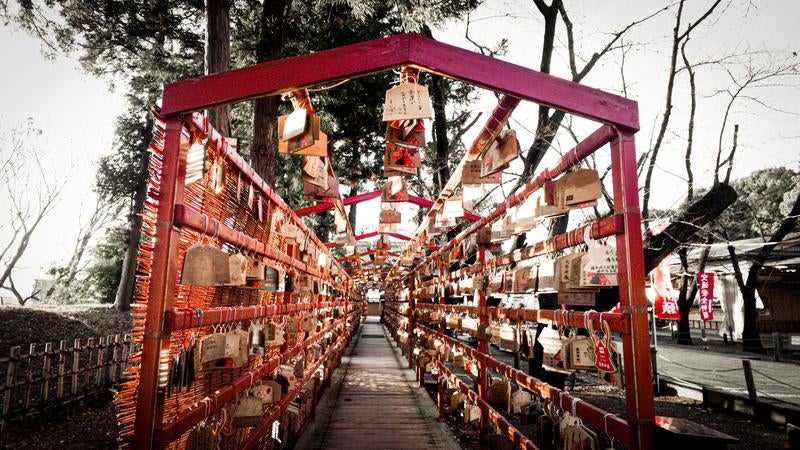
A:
{"x":374,"y":403}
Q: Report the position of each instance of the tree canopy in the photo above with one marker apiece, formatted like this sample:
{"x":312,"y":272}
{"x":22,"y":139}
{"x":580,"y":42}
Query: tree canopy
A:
{"x":765,"y":196}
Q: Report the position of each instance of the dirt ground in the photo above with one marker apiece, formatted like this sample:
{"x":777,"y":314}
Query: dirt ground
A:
{"x":52,"y":323}
{"x":92,"y":425}
{"x":750,"y":433}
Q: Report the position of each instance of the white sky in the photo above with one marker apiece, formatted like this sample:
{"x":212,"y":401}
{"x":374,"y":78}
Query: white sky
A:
{"x":77,"y":111}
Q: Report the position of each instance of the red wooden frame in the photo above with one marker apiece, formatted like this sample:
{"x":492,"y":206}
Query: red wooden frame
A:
{"x":360,"y":59}
{"x":324,"y":206}
{"x":620,"y":115}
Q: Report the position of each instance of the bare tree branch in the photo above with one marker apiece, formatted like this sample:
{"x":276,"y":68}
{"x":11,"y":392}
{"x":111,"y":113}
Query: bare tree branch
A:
{"x":690,"y":135}
{"x":677,"y":38}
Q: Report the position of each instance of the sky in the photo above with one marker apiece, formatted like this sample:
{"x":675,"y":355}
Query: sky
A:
{"x":76,"y":111}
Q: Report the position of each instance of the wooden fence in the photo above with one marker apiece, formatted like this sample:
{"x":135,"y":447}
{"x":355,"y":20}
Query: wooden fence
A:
{"x":47,"y":378}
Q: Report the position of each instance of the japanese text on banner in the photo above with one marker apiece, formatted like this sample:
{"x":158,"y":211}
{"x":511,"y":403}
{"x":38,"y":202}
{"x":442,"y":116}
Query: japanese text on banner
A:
{"x":660,"y":278}
{"x":705,"y":285}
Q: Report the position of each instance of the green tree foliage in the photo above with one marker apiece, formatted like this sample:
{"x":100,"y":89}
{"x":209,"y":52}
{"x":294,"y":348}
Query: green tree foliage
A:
{"x":142,"y":45}
{"x":764,"y":198}
{"x":102,"y":277}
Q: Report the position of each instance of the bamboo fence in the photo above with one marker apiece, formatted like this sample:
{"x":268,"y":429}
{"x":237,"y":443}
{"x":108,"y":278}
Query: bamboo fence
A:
{"x":47,"y":378}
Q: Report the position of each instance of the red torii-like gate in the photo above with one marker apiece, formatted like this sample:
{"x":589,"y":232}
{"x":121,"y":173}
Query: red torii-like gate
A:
{"x":619,"y":118}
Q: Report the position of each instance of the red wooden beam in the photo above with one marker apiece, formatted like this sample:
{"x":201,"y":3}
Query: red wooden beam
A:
{"x":372,"y":234}
{"x":424,"y":202}
{"x":161,"y":295}
{"x":524,"y":83}
{"x":633,"y":302}
{"x":402,"y":237}
{"x":374,"y":56}
{"x":186,"y":318}
{"x":324,"y":206}
{"x":274,"y":77}
{"x":358,"y":198}
{"x":313,"y":209}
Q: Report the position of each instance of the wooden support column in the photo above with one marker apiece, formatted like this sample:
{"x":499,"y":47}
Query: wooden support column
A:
{"x":483,"y":347}
{"x":636,"y":343}
{"x":412,"y":303}
{"x":441,"y":299}
{"x":149,"y":401}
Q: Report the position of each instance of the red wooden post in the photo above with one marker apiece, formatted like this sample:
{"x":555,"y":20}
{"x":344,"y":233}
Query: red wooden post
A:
{"x":483,"y":347}
{"x":412,"y":304}
{"x":636,"y":344}
{"x":148,"y":409}
{"x":441,"y":300}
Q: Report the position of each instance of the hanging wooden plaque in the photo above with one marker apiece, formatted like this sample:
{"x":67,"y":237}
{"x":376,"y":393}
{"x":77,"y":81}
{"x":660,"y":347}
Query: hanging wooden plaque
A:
{"x":471,"y":174}
{"x":406,"y":133}
{"x":300,"y":145}
{"x":404,"y":159}
{"x":314,"y":171}
{"x":312,"y":192}
{"x":390,"y":216}
{"x":500,"y":153}
{"x":407,"y":101}
{"x":394,"y":191}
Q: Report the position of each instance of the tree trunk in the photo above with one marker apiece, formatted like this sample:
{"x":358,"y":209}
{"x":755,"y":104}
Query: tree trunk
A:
{"x":157,"y":20}
{"x":442,"y":169}
{"x":684,"y":229}
{"x":122,"y":302}
{"x":264,"y":146}
{"x":218,"y":55}
{"x":676,"y":40}
{"x":688,"y":292}
{"x":544,"y":136}
{"x":751,"y":339}
{"x":547,"y":125}
{"x":439,"y":100}
{"x":352,"y":214}
{"x":684,"y":331}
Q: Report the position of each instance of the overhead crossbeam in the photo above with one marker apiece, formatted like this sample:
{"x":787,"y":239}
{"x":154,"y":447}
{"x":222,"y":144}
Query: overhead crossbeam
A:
{"x":351,"y":61}
{"x":372,"y":234}
{"x":416,"y":200}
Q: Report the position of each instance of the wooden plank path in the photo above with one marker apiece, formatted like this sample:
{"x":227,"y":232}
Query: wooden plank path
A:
{"x":375,"y":403}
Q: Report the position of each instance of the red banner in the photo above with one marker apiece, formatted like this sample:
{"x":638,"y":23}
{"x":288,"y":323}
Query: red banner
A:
{"x":665,"y":304}
{"x":705,"y":284}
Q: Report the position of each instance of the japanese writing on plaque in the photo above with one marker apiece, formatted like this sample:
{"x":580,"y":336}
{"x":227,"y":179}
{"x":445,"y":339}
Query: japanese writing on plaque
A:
{"x":407,"y":101}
